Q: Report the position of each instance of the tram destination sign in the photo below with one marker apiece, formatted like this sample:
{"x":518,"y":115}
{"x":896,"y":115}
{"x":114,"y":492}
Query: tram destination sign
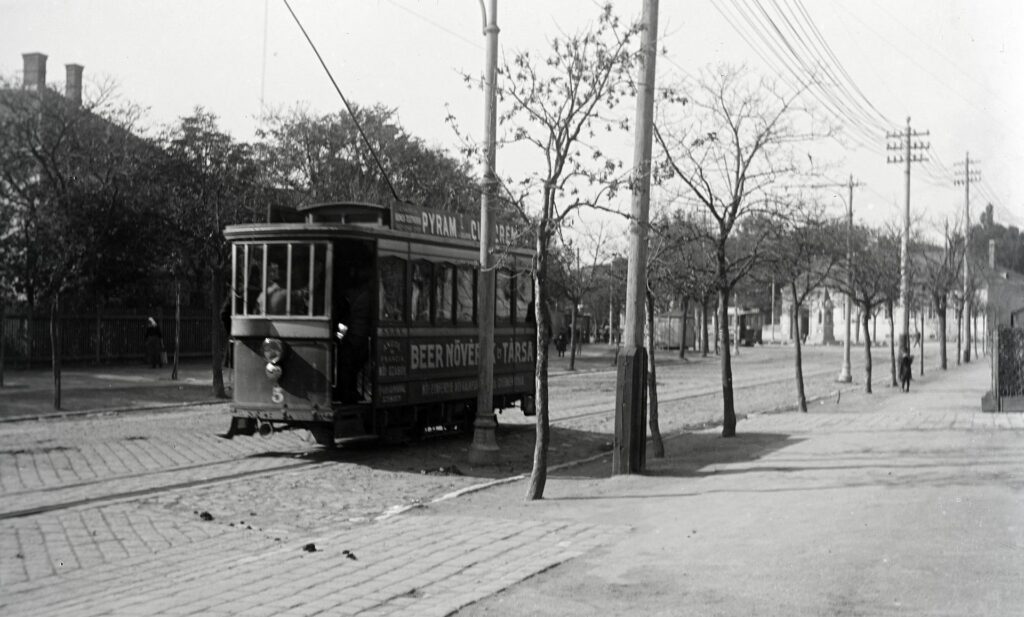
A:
{"x":441,"y":224}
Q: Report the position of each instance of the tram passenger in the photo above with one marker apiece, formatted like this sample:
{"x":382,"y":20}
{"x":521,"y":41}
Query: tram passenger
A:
{"x":275,"y":296}
{"x":355,"y":346}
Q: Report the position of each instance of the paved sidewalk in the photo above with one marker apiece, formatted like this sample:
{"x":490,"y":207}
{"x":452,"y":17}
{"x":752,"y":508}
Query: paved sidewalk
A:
{"x":28,"y":394}
{"x":895,"y":504}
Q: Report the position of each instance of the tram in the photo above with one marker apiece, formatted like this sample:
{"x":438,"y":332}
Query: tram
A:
{"x":362,"y":321}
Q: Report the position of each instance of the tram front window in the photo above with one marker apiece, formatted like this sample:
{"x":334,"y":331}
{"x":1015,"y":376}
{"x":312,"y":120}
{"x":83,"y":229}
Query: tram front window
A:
{"x":294,"y":283}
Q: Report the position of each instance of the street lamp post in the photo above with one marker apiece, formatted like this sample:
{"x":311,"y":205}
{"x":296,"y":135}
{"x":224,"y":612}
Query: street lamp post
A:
{"x":484,"y":449}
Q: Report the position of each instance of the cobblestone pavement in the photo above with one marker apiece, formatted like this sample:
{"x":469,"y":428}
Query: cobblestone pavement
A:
{"x":105,"y":514}
{"x":414,"y":565}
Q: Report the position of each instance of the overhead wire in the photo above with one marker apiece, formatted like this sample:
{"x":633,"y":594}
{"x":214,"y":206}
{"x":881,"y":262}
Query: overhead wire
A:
{"x":766,"y":47}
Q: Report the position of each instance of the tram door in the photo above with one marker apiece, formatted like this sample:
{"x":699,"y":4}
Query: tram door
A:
{"x":354,"y":280}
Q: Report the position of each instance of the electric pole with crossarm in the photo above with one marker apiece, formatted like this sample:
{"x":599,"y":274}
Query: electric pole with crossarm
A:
{"x":908,"y":156}
{"x":964,"y":177}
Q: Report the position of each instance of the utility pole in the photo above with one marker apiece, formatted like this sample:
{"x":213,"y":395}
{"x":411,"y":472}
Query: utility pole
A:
{"x":845,"y":374}
{"x":964,"y":177}
{"x":629,"y":449}
{"x":484,"y":449}
{"x":908,"y":147}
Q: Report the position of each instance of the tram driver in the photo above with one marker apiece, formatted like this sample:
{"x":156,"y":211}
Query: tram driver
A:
{"x":274,"y":298}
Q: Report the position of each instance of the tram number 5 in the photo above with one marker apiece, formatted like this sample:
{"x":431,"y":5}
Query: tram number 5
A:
{"x":277,"y":395}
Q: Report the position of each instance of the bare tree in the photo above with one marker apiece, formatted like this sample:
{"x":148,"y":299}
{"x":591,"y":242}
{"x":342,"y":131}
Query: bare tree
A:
{"x":559,"y":107}
{"x":803,"y":257}
{"x":728,"y":155}
{"x":874,"y":278}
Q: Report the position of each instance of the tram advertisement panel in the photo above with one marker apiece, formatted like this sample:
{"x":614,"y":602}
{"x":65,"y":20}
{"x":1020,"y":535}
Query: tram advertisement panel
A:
{"x":418,"y":369}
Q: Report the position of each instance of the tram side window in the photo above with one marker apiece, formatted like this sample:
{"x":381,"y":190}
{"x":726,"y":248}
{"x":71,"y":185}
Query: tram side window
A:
{"x":524,"y":297}
{"x":420,"y":291}
{"x":238,"y":280}
{"x":503,"y":296}
{"x":392,"y":289}
{"x":465,"y":299}
{"x":275,"y":300}
{"x":444,"y":290}
{"x":254,"y":280}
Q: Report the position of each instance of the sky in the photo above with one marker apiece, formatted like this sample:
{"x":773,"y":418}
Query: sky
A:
{"x":953,"y":66}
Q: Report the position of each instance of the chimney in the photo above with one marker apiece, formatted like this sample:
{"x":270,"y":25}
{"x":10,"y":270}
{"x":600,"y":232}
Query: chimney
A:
{"x":73,"y":84}
{"x":992,"y":253}
{"x":35,"y":71}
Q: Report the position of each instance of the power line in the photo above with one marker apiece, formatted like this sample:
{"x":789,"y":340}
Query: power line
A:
{"x":351,"y":112}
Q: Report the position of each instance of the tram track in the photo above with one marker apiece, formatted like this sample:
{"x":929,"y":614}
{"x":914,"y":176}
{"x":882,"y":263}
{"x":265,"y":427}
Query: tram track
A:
{"x":133,"y":493}
{"x":692,"y":395}
{"x":154,"y":482}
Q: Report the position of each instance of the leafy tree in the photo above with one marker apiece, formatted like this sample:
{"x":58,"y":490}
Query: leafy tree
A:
{"x":728,"y":155}
{"x":218,"y":183}
{"x":803,"y":256}
{"x":73,"y":198}
{"x":324,"y":158}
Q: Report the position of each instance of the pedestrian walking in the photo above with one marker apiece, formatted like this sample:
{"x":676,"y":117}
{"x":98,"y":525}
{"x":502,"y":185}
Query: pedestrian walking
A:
{"x":906,"y":370}
{"x":154,"y":344}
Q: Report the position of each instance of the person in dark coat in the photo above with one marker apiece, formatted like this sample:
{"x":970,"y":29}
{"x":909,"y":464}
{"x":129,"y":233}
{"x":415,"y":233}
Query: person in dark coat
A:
{"x":906,"y":370}
{"x":154,"y":344}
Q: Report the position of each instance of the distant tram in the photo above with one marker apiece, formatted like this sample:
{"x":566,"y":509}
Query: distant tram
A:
{"x":362,"y":321}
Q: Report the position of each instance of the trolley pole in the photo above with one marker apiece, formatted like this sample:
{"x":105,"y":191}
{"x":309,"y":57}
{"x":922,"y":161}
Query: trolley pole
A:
{"x":907,"y":157}
{"x":629,"y":451}
{"x":484,"y":449}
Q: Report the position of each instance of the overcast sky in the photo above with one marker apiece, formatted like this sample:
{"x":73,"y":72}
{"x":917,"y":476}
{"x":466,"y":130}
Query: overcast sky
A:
{"x":953,"y":66}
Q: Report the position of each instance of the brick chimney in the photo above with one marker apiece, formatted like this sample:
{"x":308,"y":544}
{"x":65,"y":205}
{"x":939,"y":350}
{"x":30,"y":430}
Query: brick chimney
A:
{"x":73,"y":83}
{"x":35,"y":71}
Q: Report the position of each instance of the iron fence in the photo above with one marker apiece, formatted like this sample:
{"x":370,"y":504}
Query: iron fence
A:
{"x":99,"y":338}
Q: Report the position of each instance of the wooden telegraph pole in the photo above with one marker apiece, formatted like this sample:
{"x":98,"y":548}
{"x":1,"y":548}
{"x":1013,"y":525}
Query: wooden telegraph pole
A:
{"x":629,"y":451}
{"x":484,"y":449}
{"x":964,"y":177}
{"x":908,"y":147}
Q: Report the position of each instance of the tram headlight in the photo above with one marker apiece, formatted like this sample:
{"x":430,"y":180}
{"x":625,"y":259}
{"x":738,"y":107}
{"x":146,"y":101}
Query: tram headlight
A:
{"x":273,"y":350}
{"x":273,"y":372}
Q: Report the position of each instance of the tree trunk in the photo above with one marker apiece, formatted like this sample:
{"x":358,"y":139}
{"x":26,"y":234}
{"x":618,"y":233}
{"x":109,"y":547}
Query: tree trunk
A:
{"x":959,"y":332}
{"x":704,"y":327}
{"x":539,"y":474}
{"x":920,"y":361}
{"x":717,"y":326}
{"x":3,"y":340}
{"x":572,"y":338}
{"x":801,"y":397}
{"x":728,"y":408}
{"x":177,"y":327}
{"x":55,"y":350}
{"x":682,"y":329}
{"x":941,"y":309}
{"x":866,"y":319}
{"x":216,"y":338}
{"x":652,"y":382}
{"x":892,"y":347}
